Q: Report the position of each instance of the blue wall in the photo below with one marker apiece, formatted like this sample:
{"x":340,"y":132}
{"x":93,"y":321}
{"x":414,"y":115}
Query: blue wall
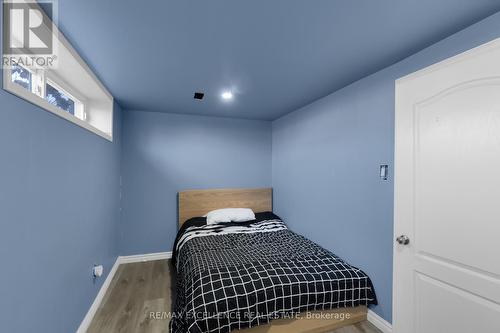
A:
{"x":166,"y":153}
{"x":326,"y":158}
{"x":59,"y":212}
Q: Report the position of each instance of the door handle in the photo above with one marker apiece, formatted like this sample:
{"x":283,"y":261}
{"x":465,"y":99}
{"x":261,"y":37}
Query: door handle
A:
{"x":403,"y":240}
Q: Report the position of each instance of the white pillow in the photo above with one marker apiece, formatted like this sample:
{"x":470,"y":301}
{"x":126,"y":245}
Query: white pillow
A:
{"x":230,"y":215}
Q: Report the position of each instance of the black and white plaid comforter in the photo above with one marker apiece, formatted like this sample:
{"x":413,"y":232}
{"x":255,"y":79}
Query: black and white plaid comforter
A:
{"x":238,"y":275}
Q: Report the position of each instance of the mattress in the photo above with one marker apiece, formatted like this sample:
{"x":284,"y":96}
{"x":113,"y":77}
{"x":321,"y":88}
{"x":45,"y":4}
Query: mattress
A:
{"x":237,"y":275}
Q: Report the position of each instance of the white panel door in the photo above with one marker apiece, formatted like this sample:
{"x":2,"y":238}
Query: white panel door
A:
{"x":447,"y":196}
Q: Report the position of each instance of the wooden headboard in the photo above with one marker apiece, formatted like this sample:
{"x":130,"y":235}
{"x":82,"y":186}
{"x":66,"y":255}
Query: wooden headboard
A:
{"x":195,"y":203}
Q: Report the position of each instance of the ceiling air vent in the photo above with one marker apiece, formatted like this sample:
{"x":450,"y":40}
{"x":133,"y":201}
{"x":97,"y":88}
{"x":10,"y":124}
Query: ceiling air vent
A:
{"x":198,"y":95}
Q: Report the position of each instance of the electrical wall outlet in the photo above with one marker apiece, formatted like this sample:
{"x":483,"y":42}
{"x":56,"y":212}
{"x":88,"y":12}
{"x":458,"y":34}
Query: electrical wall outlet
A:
{"x":97,"y":271}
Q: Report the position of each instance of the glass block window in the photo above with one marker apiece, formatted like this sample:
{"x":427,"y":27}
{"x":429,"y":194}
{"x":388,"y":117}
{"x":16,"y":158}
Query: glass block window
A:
{"x":60,"y":99}
{"x":22,"y":77}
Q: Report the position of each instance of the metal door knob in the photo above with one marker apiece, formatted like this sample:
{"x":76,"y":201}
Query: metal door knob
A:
{"x":403,"y":240}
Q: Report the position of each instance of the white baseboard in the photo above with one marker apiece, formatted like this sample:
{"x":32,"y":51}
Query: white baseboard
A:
{"x":379,"y":322}
{"x":145,"y":257}
{"x":104,"y":288}
{"x":98,"y":299}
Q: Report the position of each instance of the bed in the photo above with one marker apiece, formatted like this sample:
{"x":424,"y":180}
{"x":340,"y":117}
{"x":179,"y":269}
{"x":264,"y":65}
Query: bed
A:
{"x":258,"y":276}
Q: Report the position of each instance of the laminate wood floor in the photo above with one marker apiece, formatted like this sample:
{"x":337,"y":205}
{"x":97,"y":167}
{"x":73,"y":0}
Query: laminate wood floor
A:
{"x":141,"y":293}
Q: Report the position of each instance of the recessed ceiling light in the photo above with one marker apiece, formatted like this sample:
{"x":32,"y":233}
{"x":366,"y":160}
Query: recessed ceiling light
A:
{"x":227,"y":95}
